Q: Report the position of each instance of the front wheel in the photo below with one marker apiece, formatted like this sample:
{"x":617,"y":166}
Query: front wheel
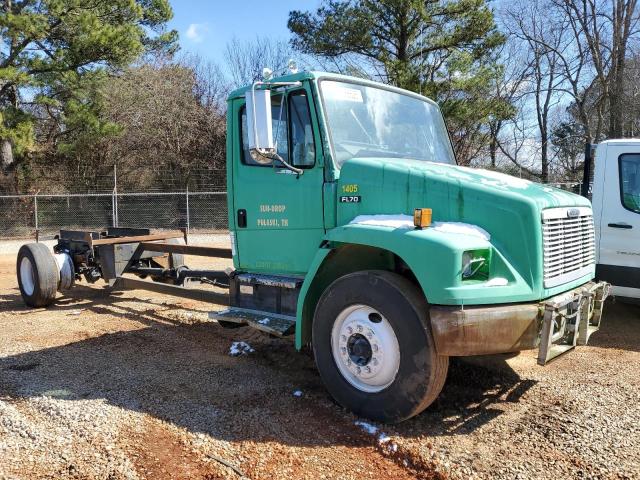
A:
{"x":373,"y":346}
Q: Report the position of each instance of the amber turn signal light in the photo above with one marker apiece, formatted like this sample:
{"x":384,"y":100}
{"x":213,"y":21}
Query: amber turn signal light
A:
{"x":422,"y":217}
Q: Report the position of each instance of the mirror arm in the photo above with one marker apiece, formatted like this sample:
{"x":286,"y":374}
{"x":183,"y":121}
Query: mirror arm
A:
{"x":297,"y":171}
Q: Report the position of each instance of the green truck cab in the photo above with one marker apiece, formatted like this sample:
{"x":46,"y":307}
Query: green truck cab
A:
{"x":325,"y":173}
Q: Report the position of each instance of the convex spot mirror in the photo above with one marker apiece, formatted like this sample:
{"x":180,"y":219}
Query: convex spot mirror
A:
{"x":260,"y":126}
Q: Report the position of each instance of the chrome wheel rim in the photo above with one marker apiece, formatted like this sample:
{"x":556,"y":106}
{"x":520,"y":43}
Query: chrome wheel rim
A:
{"x":365,"y":348}
{"x":27,"y":276}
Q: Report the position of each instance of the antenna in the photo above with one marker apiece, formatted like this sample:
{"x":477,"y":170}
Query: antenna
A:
{"x":421,"y":51}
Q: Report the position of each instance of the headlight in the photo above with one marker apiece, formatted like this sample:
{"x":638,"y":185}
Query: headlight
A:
{"x":475,"y":264}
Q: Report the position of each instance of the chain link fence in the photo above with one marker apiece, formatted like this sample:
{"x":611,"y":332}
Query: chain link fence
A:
{"x":199,"y":212}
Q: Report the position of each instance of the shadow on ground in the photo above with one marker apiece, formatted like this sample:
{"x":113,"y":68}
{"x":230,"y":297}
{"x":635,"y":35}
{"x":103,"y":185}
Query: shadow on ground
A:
{"x":183,"y":374}
{"x":620,"y":327}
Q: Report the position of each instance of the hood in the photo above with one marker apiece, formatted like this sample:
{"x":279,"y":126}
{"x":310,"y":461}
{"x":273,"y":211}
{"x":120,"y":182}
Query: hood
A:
{"x":441,"y":183}
{"x":507,"y":207}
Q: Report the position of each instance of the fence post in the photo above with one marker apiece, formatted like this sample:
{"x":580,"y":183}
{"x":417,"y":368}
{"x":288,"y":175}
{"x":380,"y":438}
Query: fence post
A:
{"x":114,"y":201}
{"x":35,"y":208}
{"x":188,"y":218}
{"x":113,"y":208}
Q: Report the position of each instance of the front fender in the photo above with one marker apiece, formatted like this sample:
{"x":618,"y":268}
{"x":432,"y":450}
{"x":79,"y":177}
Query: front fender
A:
{"x":434,"y":257}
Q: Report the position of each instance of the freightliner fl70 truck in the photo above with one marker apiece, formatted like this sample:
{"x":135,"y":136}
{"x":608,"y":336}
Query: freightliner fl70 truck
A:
{"x":353,"y":230}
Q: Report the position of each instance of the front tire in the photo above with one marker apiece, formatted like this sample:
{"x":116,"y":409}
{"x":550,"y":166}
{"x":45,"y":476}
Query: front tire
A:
{"x":373,"y":346}
{"x":37,"y":275}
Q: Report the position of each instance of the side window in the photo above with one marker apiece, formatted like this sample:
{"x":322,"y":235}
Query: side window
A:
{"x":302,"y":145}
{"x":279,"y":127}
{"x":630,"y":181}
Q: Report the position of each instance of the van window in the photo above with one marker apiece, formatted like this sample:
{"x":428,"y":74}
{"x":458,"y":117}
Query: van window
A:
{"x":630,"y":181}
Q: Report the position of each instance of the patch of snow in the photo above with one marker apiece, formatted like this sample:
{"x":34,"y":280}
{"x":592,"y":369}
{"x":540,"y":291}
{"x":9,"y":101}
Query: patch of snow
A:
{"x":462,"y":229}
{"x":367,"y":427}
{"x":264,"y":321}
{"x":240,"y":348}
{"x":497,"y":282}
{"x":383,"y":438}
{"x":393,"y":221}
{"x":491,"y":183}
{"x":406,"y":221}
{"x":505,"y":179}
{"x":459,"y":174}
{"x":297,"y":393}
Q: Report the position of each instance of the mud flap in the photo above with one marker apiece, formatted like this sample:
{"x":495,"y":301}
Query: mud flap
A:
{"x":570,"y":319}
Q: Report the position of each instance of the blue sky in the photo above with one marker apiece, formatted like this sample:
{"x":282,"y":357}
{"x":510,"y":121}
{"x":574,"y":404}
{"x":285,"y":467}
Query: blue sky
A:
{"x":206,"y":26}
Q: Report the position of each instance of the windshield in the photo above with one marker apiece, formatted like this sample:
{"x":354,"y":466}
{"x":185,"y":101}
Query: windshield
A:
{"x":374,"y":122}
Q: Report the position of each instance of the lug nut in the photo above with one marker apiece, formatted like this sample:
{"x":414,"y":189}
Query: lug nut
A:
{"x":367,"y":369}
{"x":358,"y":370}
{"x":375,"y":347}
{"x":343,"y":338}
{"x":343,"y":350}
{"x":360,"y":328}
{"x":350,"y":330}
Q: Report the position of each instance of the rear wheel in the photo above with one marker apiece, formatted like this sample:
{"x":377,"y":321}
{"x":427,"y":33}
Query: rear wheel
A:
{"x":37,"y":275}
{"x":373,"y":346}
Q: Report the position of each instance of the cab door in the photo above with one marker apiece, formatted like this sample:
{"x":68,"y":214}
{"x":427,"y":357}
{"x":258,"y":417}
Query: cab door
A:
{"x":279,"y":214}
{"x":619,"y":235}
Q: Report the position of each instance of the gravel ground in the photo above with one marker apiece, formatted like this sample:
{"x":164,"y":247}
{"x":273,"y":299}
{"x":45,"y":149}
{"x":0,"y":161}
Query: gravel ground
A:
{"x":140,"y":386}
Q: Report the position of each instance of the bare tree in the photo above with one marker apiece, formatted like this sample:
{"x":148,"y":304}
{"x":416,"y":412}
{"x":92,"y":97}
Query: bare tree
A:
{"x":539,"y":77}
{"x":509,"y":85}
{"x":172,"y":124}
{"x":606,"y":27}
{"x":163,"y":126}
{"x":246,"y":60}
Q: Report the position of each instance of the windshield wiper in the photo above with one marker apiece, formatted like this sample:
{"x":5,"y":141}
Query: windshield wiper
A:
{"x":355,"y":117}
{"x":378,"y":154}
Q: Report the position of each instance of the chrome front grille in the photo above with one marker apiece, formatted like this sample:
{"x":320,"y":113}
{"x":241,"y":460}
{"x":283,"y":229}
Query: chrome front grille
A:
{"x":568,"y":242}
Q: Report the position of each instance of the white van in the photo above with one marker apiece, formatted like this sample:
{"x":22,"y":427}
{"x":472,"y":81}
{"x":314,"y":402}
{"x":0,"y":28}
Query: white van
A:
{"x":616,"y":209}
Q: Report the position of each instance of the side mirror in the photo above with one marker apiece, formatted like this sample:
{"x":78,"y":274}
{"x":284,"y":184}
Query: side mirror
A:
{"x":260,"y":127}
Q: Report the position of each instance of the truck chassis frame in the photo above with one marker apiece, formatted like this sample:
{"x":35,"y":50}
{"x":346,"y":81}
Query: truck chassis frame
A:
{"x":115,"y":252}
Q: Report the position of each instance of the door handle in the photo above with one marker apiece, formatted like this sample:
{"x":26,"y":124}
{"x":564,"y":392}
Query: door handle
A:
{"x":626,"y":226}
{"x":242,"y":218}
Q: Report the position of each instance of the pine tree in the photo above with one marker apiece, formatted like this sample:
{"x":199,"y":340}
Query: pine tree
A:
{"x":442,"y":49}
{"x":53,"y":53}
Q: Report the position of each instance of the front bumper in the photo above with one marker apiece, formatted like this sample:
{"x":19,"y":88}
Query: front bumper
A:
{"x":554,"y":325}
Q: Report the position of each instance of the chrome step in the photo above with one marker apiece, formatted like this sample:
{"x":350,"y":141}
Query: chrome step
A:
{"x":275,"y":324}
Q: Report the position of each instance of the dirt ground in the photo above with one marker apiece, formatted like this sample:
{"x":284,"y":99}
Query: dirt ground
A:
{"x":139,"y":386}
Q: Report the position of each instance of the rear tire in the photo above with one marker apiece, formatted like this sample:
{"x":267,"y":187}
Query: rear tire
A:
{"x":373,"y":346}
{"x":37,"y":272}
